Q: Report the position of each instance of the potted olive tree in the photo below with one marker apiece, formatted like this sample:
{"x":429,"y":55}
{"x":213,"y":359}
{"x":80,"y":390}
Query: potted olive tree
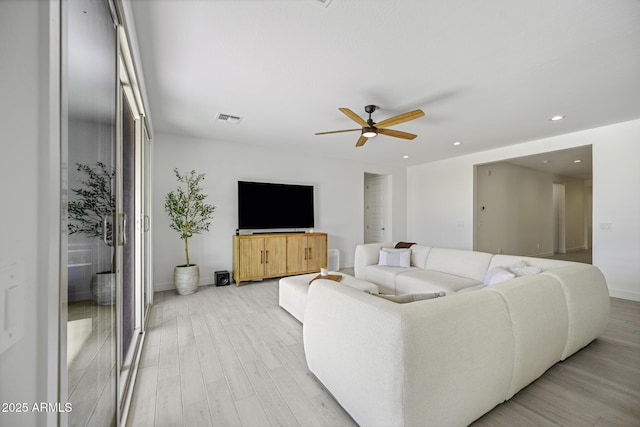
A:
{"x":90,"y":214}
{"x":189,"y":215}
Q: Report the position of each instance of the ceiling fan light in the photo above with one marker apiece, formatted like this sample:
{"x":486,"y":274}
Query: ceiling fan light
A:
{"x":369,"y":132}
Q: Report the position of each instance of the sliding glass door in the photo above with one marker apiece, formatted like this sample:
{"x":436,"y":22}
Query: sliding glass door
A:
{"x":88,"y":345}
{"x":105,"y":234}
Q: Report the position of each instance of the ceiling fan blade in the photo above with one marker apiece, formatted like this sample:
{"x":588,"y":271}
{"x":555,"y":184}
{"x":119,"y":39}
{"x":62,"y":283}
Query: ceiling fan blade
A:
{"x":397,"y":133}
{"x":401,"y":118}
{"x":361,"y":141}
{"x":337,"y":131}
{"x":353,"y":116}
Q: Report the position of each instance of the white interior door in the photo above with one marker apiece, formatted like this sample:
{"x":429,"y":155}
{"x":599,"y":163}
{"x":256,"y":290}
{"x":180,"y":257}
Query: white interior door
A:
{"x":376,"y":199}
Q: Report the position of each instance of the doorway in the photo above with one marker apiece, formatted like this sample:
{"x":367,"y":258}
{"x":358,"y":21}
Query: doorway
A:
{"x":537,"y":205}
{"x":559,"y":245}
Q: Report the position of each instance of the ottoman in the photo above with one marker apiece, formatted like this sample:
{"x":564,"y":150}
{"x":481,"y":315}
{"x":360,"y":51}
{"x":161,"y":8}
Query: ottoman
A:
{"x":293,"y":291}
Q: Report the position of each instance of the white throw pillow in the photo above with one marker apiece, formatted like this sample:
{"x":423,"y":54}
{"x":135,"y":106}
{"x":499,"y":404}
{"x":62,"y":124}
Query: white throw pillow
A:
{"x":497,"y":275}
{"x":395,"y":257}
{"x":521,"y":268}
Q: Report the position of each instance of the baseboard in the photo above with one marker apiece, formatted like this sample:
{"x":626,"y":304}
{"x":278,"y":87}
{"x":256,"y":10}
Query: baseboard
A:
{"x":576,"y":249}
{"x":542,"y":255}
{"x":168,"y":286}
{"x":632,"y":296}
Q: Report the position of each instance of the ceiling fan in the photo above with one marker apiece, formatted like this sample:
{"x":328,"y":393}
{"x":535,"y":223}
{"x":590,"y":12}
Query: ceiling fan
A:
{"x":371,"y":129}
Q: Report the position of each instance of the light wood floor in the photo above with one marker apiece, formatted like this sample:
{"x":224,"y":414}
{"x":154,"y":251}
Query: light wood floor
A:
{"x":231,"y":356}
{"x":91,"y":363}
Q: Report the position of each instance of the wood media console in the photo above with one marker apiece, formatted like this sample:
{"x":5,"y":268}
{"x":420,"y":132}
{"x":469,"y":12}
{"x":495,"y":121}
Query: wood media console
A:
{"x":261,"y":256}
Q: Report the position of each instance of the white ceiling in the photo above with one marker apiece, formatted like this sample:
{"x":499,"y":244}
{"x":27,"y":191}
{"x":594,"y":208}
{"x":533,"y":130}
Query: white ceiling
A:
{"x":486,"y":73}
{"x":574,"y":162}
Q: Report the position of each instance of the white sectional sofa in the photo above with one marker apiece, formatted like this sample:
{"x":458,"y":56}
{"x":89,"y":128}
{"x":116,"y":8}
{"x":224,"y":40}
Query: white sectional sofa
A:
{"x":436,"y":269}
{"x":447,"y":361}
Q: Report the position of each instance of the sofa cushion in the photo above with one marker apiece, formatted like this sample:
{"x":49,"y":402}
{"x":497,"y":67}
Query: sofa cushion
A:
{"x":470,"y":264}
{"x":395,"y":257}
{"x":539,"y":317}
{"x":587,"y":298}
{"x":419,"y":255}
{"x":385,"y":277}
{"x":367,"y":255}
{"x":417,"y":281}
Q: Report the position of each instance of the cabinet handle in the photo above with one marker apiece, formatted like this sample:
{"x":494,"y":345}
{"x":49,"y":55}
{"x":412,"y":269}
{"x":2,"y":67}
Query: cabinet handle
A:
{"x":305,"y":253}
{"x":261,"y":257}
{"x":310,"y":253}
{"x":267,"y":258}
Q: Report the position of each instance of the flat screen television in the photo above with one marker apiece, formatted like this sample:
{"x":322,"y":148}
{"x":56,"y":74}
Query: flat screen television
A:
{"x":263,"y":205}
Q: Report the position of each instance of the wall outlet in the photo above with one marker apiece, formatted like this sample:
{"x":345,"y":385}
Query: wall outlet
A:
{"x":606,"y":226}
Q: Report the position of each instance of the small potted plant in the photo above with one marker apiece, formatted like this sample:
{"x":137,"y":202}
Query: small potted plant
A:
{"x":189,"y":215}
{"x":90,"y":215}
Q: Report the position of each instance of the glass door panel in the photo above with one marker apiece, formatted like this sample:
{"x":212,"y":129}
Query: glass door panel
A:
{"x":146,"y":222}
{"x":88,"y":345}
{"x":130,"y":244}
{"x":129,"y":240}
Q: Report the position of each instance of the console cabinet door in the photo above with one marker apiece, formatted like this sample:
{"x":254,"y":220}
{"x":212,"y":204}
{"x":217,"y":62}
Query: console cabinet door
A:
{"x":252,"y":256}
{"x":275,"y":256}
{"x":297,"y":253}
{"x":306,"y":253}
{"x":317,"y":253}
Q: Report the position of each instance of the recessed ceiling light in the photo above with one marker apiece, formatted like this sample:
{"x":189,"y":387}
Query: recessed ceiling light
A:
{"x":577,"y":161}
{"x":457,"y":143}
{"x":547,"y":161}
{"x":405,"y":157}
{"x":556,"y":118}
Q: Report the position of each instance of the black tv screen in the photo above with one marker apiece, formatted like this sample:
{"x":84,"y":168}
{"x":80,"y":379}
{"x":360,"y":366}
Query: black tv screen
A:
{"x":264,"y":205}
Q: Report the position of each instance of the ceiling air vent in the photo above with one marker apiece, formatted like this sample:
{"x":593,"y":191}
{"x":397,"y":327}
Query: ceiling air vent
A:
{"x":229,"y":118}
{"x":323,"y":3}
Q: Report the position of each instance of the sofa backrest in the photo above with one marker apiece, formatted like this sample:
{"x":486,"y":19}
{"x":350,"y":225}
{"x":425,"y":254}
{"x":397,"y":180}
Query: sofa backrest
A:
{"x":419,"y":254}
{"x":367,"y":254}
{"x":471,"y":264}
{"x":502,"y":260}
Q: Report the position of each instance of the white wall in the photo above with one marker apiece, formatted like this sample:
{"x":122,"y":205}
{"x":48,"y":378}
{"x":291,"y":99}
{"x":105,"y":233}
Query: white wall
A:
{"x":518,"y":210}
{"x":440,"y":199}
{"x":29,"y":218}
{"x":518,"y":215}
{"x":339,"y":195}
